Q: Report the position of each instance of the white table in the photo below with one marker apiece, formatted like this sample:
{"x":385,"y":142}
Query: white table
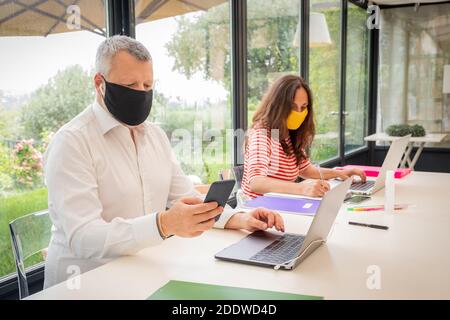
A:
{"x":413,"y":256}
{"x":421,"y":141}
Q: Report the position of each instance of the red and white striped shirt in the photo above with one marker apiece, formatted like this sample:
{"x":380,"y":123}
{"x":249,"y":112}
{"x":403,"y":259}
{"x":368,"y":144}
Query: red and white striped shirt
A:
{"x":265,"y":157}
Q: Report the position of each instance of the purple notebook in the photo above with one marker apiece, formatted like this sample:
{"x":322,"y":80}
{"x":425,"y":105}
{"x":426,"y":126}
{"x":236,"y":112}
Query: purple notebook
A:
{"x":290,"y":205}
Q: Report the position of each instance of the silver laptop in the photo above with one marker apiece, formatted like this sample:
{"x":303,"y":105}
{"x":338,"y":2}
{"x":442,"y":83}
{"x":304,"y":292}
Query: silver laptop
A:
{"x":287,"y":250}
{"x":391,"y":162}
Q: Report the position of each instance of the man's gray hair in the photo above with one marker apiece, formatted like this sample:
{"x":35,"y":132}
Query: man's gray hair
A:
{"x":110,"y":46}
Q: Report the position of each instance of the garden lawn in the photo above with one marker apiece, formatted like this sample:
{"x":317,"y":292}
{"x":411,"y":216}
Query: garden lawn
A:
{"x":12,"y":207}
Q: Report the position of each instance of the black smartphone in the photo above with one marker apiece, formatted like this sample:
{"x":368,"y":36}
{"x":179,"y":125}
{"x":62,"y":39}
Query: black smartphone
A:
{"x":220,"y":192}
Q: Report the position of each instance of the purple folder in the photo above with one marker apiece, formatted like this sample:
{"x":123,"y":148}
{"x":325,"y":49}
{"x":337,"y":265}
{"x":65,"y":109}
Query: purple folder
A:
{"x":290,"y":205}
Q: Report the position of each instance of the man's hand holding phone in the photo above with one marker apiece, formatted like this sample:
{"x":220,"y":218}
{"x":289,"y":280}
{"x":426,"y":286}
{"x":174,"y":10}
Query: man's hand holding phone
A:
{"x":189,"y":217}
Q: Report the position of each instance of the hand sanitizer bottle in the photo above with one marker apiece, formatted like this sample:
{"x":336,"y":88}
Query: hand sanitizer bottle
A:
{"x":389,"y":192}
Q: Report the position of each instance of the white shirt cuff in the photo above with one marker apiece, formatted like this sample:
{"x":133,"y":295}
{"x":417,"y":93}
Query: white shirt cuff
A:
{"x":145,"y":230}
{"x":227,"y":213}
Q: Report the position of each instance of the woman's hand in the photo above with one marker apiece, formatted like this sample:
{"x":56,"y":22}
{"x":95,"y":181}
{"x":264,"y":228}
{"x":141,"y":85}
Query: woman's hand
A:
{"x":312,"y":188}
{"x":348,"y":173}
{"x":257,"y":219}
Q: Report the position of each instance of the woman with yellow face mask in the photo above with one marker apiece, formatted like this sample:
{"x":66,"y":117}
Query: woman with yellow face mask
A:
{"x":277,"y":143}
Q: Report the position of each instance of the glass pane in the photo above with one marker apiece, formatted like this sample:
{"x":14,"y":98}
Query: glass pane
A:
{"x":191,"y":57}
{"x":356,"y":107}
{"x":273,"y":45}
{"x":414,"y":48}
{"x":46,"y":61}
{"x":324,"y":64}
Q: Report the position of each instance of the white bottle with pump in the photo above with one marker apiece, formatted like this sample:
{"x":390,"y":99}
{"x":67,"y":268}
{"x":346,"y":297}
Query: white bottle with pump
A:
{"x":389,"y":192}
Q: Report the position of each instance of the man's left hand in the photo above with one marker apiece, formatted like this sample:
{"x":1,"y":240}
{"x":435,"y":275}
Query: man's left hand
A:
{"x":257,"y":219}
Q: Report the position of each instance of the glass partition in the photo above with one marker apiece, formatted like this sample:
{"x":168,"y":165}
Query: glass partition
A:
{"x":414,"y":49}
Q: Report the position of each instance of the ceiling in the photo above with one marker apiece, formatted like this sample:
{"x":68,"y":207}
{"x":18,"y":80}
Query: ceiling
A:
{"x":44,"y":17}
{"x":434,"y":20}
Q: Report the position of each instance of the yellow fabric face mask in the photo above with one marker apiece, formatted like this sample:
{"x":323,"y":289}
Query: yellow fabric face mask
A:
{"x":295,"y":119}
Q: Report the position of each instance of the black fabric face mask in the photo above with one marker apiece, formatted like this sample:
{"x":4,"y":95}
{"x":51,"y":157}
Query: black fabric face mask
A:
{"x":129,"y":106}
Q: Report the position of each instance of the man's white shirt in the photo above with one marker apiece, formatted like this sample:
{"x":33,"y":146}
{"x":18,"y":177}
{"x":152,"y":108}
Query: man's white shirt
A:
{"x":104,"y":191}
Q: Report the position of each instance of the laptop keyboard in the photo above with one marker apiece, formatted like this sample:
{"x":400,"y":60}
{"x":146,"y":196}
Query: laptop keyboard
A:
{"x":281,"y":250}
{"x":362,"y":186}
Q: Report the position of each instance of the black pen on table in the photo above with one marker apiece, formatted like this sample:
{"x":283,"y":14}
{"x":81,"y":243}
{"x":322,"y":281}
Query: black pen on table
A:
{"x":375,"y":226}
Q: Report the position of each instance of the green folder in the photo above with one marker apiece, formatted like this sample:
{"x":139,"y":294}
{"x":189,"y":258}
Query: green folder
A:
{"x":181,"y":290}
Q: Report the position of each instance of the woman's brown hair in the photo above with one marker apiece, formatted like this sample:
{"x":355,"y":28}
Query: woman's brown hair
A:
{"x":274,"y":110}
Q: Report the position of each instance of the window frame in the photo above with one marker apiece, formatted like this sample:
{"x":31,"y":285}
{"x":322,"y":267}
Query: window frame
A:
{"x":9,"y":286}
{"x":343,"y":79}
{"x":372,"y":60}
{"x":239,"y":70}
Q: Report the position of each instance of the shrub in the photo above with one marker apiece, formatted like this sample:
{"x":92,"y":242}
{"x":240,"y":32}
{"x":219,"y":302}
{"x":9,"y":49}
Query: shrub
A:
{"x":46,"y":137}
{"x":417,"y":131}
{"x":27,"y":165}
{"x":398,"y":130}
{"x":6,"y":181}
{"x":401,"y":130}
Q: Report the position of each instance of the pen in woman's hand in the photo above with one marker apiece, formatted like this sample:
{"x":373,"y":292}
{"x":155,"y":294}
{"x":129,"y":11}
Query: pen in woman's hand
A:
{"x":320,"y":173}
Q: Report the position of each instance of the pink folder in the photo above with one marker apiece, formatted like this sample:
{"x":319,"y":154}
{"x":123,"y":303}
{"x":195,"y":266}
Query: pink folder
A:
{"x":372,"y":171}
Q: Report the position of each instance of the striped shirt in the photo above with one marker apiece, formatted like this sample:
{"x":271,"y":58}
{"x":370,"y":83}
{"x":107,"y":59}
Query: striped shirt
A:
{"x":265,"y":157}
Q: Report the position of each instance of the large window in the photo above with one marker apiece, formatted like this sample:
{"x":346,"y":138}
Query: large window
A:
{"x":47,"y":53}
{"x":414,"y":48}
{"x":273,"y":48}
{"x":192,"y":63}
{"x":324,"y":73}
{"x":356,"y":102}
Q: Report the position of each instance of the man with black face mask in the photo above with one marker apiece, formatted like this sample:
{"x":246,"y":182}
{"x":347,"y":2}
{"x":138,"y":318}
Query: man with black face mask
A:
{"x":111,"y":175}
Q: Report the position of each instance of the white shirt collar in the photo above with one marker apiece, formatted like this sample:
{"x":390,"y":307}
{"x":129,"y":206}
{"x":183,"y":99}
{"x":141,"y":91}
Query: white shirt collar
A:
{"x":104,"y":118}
{"x":108,"y":122}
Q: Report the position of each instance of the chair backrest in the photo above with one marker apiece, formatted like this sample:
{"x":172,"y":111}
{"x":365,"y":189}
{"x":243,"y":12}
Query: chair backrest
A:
{"x":238,"y":174}
{"x":30,"y":234}
{"x":225,"y":174}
